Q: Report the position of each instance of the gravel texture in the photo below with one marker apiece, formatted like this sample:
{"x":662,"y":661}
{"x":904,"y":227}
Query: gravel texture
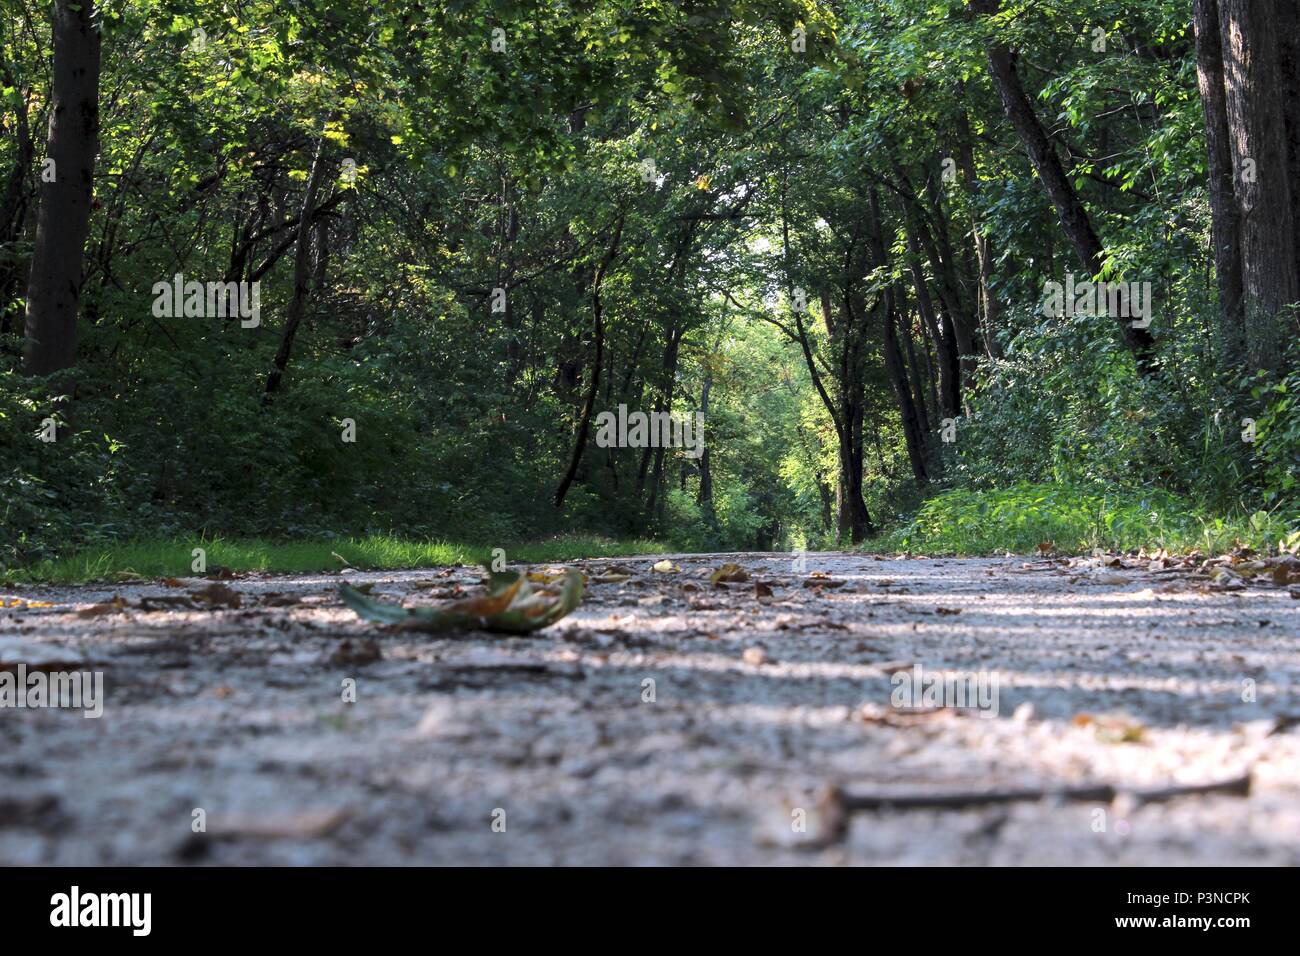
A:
{"x":1121,"y":676}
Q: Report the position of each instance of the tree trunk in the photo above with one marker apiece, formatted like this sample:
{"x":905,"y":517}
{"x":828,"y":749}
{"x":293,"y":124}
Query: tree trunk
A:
{"x":1070,"y":210}
{"x":1223,"y":201}
{"x":988,"y":304}
{"x":1257,"y":128}
{"x":853,"y":519}
{"x":598,"y":322}
{"x":913,"y":434}
{"x":945,"y":338}
{"x":1288,"y":38}
{"x":706,"y":468}
{"x":13,"y":207}
{"x":301,"y":273}
{"x":63,"y":220}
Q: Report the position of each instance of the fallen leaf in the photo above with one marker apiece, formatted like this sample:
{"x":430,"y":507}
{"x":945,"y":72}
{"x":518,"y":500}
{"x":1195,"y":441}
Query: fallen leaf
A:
{"x":24,"y":603}
{"x":511,"y":605}
{"x":1227,"y":581}
{"x":548,"y":577}
{"x":276,"y":599}
{"x":218,"y":595}
{"x":665,"y":567}
{"x":356,"y":653}
{"x":1113,"y":580}
{"x":729,"y":573}
{"x":118,"y":603}
{"x":1284,"y":575}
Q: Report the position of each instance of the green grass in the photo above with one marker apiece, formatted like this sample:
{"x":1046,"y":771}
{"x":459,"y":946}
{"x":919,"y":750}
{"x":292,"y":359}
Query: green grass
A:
{"x":1076,"y":520}
{"x":173,"y":558}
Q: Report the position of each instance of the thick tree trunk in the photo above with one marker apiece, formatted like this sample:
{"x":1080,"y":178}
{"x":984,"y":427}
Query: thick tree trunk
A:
{"x":1223,"y":201}
{"x":854,"y":521}
{"x":63,"y":219}
{"x":1288,"y":38}
{"x":1257,"y":127}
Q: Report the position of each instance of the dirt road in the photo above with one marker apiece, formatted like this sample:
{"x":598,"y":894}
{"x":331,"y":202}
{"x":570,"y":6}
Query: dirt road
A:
{"x":666,"y":721}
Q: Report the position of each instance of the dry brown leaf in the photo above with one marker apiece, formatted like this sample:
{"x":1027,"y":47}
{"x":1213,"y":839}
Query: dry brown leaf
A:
{"x":218,"y":595}
{"x":729,"y":573}
{"x":24,"y":603}
{"x":356,"y":653}
{"x":118,"y":603}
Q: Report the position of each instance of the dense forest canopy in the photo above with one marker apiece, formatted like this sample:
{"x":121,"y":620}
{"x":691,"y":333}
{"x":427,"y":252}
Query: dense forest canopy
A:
{"x":311,"y":268}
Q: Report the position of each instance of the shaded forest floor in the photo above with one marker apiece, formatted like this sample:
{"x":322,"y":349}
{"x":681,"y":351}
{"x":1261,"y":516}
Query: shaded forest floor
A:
{"x":1120,"y":675}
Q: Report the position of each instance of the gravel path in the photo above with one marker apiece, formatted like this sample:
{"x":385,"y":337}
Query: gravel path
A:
{"x":547,"y":749}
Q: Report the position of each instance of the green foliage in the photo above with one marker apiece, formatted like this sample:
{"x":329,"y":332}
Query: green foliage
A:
{"x":1077,"y":519}
{"x":174,"y":558}
{"x":1278,"y":438}
{"x":481,"y":168}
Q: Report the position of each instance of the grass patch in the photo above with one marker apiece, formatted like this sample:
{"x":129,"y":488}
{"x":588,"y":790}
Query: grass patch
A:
{"x":1076,"y":520}
{"x":174,"y":558}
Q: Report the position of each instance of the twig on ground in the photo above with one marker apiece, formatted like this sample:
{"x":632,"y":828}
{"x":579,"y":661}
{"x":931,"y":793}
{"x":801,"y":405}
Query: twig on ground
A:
{"x":1102,"y":793}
